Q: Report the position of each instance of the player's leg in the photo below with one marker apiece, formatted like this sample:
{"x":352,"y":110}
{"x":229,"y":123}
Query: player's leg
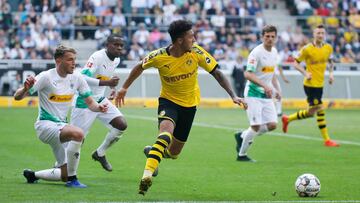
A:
{"x":49,"y":133}
{"x":269,"y":117}
{"x":181,"y":132}
{"x":116,"y":123}
{"x":78,"y":116}
{"x":74,"y":135}
{"x":167,"y":116}
{"x":320,"y":119}
{"x":301,"y":114}
{"x":254,"y":116}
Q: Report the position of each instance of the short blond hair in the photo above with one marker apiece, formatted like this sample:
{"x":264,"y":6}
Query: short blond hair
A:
{"x":61,"y":50}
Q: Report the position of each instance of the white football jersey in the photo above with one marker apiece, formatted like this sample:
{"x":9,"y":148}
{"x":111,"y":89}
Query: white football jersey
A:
{"x":56,"y":93}
{"x":263,"y":64}
{"x":100,"y":67}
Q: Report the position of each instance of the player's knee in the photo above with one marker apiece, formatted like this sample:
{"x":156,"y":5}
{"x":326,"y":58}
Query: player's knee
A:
{"x":77,"y":135}
{"x":119,"y":123}
{"x":255,"y":128}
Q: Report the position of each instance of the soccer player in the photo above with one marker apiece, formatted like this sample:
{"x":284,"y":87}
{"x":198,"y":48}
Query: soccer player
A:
{"x":315,"y":55}
{"x":259,"y":91}
{"x":99,"y":74}
{"x":56,"y":88}
{"x":178,"y":69}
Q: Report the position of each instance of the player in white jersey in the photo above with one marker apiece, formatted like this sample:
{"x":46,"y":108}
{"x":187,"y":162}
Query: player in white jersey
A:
{"x":56,"y":88}
{"x":260,"y":88}
{"x":99,"y":74}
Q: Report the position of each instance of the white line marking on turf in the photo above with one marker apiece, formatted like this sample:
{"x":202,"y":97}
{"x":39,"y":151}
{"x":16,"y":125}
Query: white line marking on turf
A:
{"x":304,"y":137}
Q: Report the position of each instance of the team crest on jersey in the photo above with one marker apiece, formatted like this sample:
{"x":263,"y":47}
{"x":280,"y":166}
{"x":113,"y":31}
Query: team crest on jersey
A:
{"x":189,"y":62}
{"x":162,"y":113}
{"x":208,"y":60}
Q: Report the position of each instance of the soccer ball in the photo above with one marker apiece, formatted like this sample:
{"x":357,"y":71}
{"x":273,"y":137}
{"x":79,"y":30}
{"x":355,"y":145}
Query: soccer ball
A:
{"x":307,"y":185}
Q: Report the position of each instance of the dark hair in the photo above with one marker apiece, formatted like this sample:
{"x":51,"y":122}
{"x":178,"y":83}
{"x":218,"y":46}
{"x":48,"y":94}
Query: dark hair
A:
{"x":178,"y":28}
{"x":61,"y":50}
{"x":112,"y":37}
{"x":268,"y":28}
{"x":321,"y":26}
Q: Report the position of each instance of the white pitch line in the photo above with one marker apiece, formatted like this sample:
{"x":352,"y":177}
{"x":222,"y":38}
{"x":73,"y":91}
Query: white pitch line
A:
{"x":206,"y":125}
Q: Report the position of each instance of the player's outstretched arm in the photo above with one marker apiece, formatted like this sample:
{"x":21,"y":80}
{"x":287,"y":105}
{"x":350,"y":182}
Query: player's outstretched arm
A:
{"x":224,"y":83}
{"x":135,"y":73}
{"x":24,"y":91}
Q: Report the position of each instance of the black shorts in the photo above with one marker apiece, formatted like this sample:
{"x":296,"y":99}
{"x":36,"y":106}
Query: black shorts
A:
{"x":182,"y":117}
{"x":314,"y":95}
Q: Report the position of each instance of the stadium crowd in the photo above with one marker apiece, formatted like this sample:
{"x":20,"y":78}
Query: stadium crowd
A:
{"x":229,"y":29}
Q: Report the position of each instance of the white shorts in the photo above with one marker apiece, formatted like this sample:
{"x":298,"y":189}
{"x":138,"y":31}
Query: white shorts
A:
{"x":84,"y":118}
{"x":49,"y":133}
{"x":260,"y":111}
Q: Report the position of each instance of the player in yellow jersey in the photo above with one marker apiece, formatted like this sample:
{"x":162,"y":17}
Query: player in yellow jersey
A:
{"x":178,"y":69}
{"x":316,"y":55}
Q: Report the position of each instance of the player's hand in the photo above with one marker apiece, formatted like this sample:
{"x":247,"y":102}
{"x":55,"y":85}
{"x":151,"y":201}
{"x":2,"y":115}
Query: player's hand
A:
{"x":308,"y":75}
{"x":29,"y":82}
{"x":331,"y":79}
{"x":120,"y":97}
{"x":268,"y":91}
{"x":112,"y":94}
{"x":277,"y":95}
{"x":114,"y":81}
{"x":103,"y":107}
{"x":240,"y":101}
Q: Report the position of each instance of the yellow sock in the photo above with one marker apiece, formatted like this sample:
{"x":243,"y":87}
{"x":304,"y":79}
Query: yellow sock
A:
{"x":157,"y":151}
{"x":302,"y":114}
{"x":320,"y":118}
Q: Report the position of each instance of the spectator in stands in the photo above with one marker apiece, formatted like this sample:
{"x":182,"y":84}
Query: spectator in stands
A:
{"x":141,"y":35}
{"x":136,"y":52}
{"x":118,"y":19}
{"x":57,"y":6}
{"x":322,"y":10}
{"x":169,"y":10}
{"x":332,"y":22}
{"x":28,"y":43}
{"x":192,"y":14}
{"x":219,"y":19}
{"x":22,"y":32}
{"x":89,"y":18}
{"x":72,"y":9}
{"x":354,"y":18}
{"x":17,"y":52}
{"x":4,"y":50}
{"x":86,"y":6}
{"x":314,"y":20}
{"x":101,"y":35}
{"x":208,"y":35}
{"x":238,"y":77}
{"x":48,"y":18}
{"x":304,"y":7}
{"x":65,"y":23}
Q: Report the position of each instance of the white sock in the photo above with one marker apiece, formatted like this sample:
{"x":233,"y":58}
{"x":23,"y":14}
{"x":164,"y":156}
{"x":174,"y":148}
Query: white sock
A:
{"x":53,"y":174}
{"x":248,"y":137}
{"x":263,"y":129}
{"x":112,"y":136}
{"x":147,"y":173}
{"x":278,"y":106}
{"x":73,"y":157}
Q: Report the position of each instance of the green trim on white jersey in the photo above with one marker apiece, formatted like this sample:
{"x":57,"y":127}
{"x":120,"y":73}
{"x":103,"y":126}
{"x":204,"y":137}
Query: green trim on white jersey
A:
{"x":44,"y":115}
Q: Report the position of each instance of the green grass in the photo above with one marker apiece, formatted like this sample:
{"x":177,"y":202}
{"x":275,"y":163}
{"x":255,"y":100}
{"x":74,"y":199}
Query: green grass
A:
{"x":206,"y":169}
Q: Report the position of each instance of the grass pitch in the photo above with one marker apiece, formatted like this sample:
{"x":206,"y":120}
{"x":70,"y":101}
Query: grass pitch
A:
{"x":206,"y":169}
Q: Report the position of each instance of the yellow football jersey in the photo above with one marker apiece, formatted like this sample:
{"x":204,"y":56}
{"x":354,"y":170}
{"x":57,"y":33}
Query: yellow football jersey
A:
{"x":315,"y":59}
{"x":179,"y":81}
